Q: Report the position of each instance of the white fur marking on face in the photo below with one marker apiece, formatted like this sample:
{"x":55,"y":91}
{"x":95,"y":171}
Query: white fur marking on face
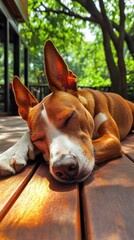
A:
{"x":99,"y":119}
{"x":45,"y":116}
{"x":52,"y":131}
{"x":61,"y":144}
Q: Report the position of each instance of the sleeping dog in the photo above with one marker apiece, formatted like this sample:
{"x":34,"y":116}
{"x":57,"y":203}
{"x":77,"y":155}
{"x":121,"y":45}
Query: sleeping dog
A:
{"x":72,"y":128}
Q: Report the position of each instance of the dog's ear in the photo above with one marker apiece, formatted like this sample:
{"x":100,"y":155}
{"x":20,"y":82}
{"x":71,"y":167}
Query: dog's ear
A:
{"x":58,"y":75}
{"x":24,"y":98}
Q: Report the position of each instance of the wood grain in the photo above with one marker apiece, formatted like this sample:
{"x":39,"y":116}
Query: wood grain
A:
{"x":128,"y":146}
{"x":45,"y":209}
{"x":11,"y":129}
{"x":11,"y":187}
{"x":108,"y":201}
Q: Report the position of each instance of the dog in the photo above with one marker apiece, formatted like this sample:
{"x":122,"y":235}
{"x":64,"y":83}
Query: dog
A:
{"x":73,"y":129}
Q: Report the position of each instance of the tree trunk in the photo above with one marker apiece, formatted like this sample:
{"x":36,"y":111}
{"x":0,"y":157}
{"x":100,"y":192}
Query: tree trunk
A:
{"x":119,"y":49}
{"x":117,"y":72}
{"x":122,"y":72}
{"x":113,"y":69}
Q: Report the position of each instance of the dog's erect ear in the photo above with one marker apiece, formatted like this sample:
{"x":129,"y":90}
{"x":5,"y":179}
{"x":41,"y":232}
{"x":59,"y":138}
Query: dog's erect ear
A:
{"x":24,"y":98}
{"x":58,"y":75}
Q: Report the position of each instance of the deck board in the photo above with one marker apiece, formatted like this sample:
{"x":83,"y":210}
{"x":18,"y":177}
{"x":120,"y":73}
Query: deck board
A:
{"x":11,"y":187}
{"x":128,"y":146}
{"x":11,"y":129}
{"x":108,"y":201}
{"x":45,"y":209}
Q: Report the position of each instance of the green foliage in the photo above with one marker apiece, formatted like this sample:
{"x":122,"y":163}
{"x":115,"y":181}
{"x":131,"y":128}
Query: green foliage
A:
{"x":10,"y":61}
{"x":1,"y":63}
{"x":86,"y":58}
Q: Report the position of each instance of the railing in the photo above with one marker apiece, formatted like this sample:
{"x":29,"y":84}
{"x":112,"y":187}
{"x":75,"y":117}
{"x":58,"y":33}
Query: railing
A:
{"x":39,"y":91}
{"x":42,"y":90}
{"x":1,"y":92}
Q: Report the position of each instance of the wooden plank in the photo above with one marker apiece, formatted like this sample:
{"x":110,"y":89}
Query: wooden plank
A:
{"x":11,"y":187}
{"x":45,"y":209}
{"x":108,"y":201}
{"x":128,"y":146}
{"x":11,"y":128}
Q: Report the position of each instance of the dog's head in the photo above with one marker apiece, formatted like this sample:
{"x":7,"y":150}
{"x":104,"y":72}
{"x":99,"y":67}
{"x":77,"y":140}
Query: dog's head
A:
{"x":60,"y":126}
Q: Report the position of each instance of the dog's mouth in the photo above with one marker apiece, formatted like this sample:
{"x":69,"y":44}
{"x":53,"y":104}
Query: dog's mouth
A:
{"x":70,"y":181}
{"x":69,"y":169}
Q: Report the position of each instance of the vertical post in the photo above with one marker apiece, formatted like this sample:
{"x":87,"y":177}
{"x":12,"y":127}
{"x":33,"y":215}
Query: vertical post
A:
{"x":6,"y":69}
{"x":16,"y":54}
{"x":26,"y":65}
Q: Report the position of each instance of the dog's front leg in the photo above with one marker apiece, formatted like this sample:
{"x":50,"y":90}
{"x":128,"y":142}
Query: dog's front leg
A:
{"x":15,"y":158}
{"x":108,"y":145}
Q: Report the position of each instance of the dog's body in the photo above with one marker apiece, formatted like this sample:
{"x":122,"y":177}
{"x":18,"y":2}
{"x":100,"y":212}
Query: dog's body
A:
{"x":68,"y":124}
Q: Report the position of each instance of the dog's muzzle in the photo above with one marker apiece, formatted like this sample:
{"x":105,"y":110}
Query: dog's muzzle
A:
{"x":66,"y":168}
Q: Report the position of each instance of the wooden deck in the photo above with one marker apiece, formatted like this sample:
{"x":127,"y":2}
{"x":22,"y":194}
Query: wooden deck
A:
{"x":35,"y":206}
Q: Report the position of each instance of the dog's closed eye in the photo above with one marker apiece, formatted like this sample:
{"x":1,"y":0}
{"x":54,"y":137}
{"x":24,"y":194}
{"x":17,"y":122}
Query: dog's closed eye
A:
{"x":69,"y":117}
{"x":39,"y":140}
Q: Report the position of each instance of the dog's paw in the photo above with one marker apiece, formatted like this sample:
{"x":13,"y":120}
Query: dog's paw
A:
{"x":11,"y":164}
{"x":15,"y":158}
{"x":18,"y":162}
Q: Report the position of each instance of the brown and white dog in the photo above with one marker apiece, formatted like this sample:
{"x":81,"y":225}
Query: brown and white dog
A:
{"x":72,"y":128}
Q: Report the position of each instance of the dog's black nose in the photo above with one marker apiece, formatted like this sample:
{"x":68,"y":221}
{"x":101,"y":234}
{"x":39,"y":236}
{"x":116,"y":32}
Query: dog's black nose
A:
{"x":66,"y":168}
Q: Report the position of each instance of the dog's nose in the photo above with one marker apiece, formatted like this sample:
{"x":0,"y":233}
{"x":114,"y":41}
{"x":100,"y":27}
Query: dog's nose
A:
{"x":66,"y":168}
